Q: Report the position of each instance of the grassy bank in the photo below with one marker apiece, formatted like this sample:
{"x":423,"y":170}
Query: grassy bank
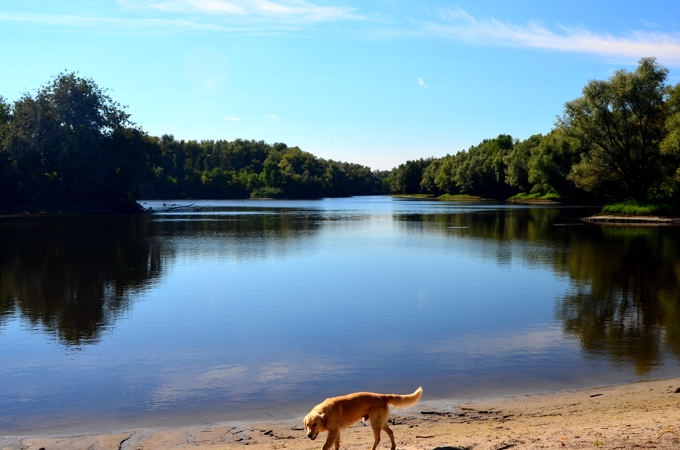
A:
{"x":633,"y":208}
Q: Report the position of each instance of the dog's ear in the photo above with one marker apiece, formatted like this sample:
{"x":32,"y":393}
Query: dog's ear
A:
{"x":324,"y":419}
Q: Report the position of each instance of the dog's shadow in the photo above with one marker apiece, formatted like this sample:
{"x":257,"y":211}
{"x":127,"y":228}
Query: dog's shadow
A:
{"x":448,"y":447}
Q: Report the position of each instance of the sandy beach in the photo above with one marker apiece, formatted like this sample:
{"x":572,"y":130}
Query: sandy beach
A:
{"x":631,"y":416}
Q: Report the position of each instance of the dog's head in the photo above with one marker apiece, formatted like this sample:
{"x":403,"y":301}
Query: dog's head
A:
{"x":315,"y":422}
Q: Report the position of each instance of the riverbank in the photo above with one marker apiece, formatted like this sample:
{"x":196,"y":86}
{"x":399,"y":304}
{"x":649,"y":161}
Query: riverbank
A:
{"x":638,"y":415}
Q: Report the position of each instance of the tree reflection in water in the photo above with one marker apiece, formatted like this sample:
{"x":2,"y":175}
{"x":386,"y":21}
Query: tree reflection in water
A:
{"x":625,"y":304}
{"x":73,"y":276}
{"x":626,"y":300}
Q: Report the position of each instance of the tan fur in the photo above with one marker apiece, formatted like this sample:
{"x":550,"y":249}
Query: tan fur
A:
{"x":336,"y":413}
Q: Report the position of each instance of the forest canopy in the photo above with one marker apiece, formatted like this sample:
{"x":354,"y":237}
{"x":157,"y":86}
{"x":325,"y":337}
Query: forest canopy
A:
{"x":70,"y":147}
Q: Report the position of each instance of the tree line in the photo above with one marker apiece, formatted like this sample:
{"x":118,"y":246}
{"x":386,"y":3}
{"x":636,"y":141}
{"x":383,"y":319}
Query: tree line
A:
{"x":250,"y":169}
{"x":71,"y":146}
{"x":619,"y":141}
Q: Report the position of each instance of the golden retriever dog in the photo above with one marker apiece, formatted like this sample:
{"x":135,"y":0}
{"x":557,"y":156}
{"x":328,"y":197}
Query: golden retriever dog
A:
{"x":336,"y":413}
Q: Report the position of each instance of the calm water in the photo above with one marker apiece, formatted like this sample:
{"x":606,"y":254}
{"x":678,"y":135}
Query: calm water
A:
{"x":206,"y":313}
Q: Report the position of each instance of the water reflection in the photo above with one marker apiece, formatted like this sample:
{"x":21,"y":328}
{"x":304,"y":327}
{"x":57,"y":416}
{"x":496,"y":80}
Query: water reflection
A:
{"x":72,"y":276}
{"x":625,"y":303}
{"x":543,"y":233}
{"x":236,"y":233}
{"x":226,"y":307}
{"x":626,"y":300}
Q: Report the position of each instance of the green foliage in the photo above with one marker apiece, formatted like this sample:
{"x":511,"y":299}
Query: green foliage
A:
{"x":633,"y":208}
{"x":243,"y":169}
{"x":550,"y":165}
{"x":479,"y":171}
{"x":619,"y":125}
{"x":517,"y":162}
{"x":406,"y":179}
{"x":534,"y":197}
{"x":71,"y":146}
{"x":483,"y":169}
{"x":459,"y":198}
{"x":67,"y":146}
{"x":620,"y":140}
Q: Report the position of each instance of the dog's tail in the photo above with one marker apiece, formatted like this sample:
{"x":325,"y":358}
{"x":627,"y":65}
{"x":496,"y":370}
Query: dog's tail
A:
{"x":401,"y":401}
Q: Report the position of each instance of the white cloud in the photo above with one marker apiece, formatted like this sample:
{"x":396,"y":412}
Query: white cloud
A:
{"x":272,"y":116}
{"x":459,"y":25}
{"x":99,"y":23}
{"x":232,"y":119}
{"x":172,"y":16}
{"x":274,"y":16}
{"x":422,"y":82}
{"x":301,"y":10}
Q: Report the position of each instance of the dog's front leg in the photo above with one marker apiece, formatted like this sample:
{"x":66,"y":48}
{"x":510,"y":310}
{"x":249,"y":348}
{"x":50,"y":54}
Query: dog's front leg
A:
{"x":333,"y":439}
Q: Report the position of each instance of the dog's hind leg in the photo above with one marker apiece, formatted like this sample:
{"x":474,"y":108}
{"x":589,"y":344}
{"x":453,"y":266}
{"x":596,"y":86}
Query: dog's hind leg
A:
{"x":378,"y":426}
{"x":389,"y":432}
{"x":376,"y":432}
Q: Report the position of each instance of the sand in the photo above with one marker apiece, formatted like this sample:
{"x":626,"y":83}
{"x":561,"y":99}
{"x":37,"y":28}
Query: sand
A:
{"x":631,"y":416}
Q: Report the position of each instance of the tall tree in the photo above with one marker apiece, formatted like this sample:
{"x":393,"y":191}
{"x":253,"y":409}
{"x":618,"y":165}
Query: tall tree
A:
{"x":670,"y":146}
{"x":619,"y":124}
{"x":59,"y":152}
{"x":6,"y":185}
{"x":407,"y":177}
{"x":550,"y":164}
{"x":482,"y":169}
{"x":517,"y":162}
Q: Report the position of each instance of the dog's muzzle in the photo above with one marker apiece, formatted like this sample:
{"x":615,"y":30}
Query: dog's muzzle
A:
{"x":312,"y":435}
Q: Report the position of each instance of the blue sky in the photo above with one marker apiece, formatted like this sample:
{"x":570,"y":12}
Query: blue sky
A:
{"x":375,"y":82}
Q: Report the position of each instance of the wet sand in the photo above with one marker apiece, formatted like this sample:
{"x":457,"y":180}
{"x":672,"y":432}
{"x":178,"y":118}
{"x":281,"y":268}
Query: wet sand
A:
{"x":631,"y":416}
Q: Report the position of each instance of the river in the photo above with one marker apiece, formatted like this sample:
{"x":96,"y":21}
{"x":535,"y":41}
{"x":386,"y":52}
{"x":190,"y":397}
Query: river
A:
{"x":212,"y":311}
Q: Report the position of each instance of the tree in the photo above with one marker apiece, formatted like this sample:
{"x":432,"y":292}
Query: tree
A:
{"x":619,"y":125}
{"x":670,"y":146}
{"x":429,"y":180}
{"x":59,"y":152}
{"x":6,"y":186}
{"x":444,"y":179}
{"x":517,"y":162}
{"x":482,"y":169}
{"x":550,"y":164}
{"x":407,"y":177}
{"x":5,"y":116}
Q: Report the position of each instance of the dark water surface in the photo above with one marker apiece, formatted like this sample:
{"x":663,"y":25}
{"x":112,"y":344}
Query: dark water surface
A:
{"x":206,"y":313}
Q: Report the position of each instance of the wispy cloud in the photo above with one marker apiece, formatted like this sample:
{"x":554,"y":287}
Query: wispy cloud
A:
{"x":458,"y":25}
{"x":421,"y":82}
{"x":102,"y":23}
{"x":232,"y":119}
{"x":272,"y":116}
{"x":242,"y":16}
{"x":276,"y":16}
{"x":299,"y":10}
